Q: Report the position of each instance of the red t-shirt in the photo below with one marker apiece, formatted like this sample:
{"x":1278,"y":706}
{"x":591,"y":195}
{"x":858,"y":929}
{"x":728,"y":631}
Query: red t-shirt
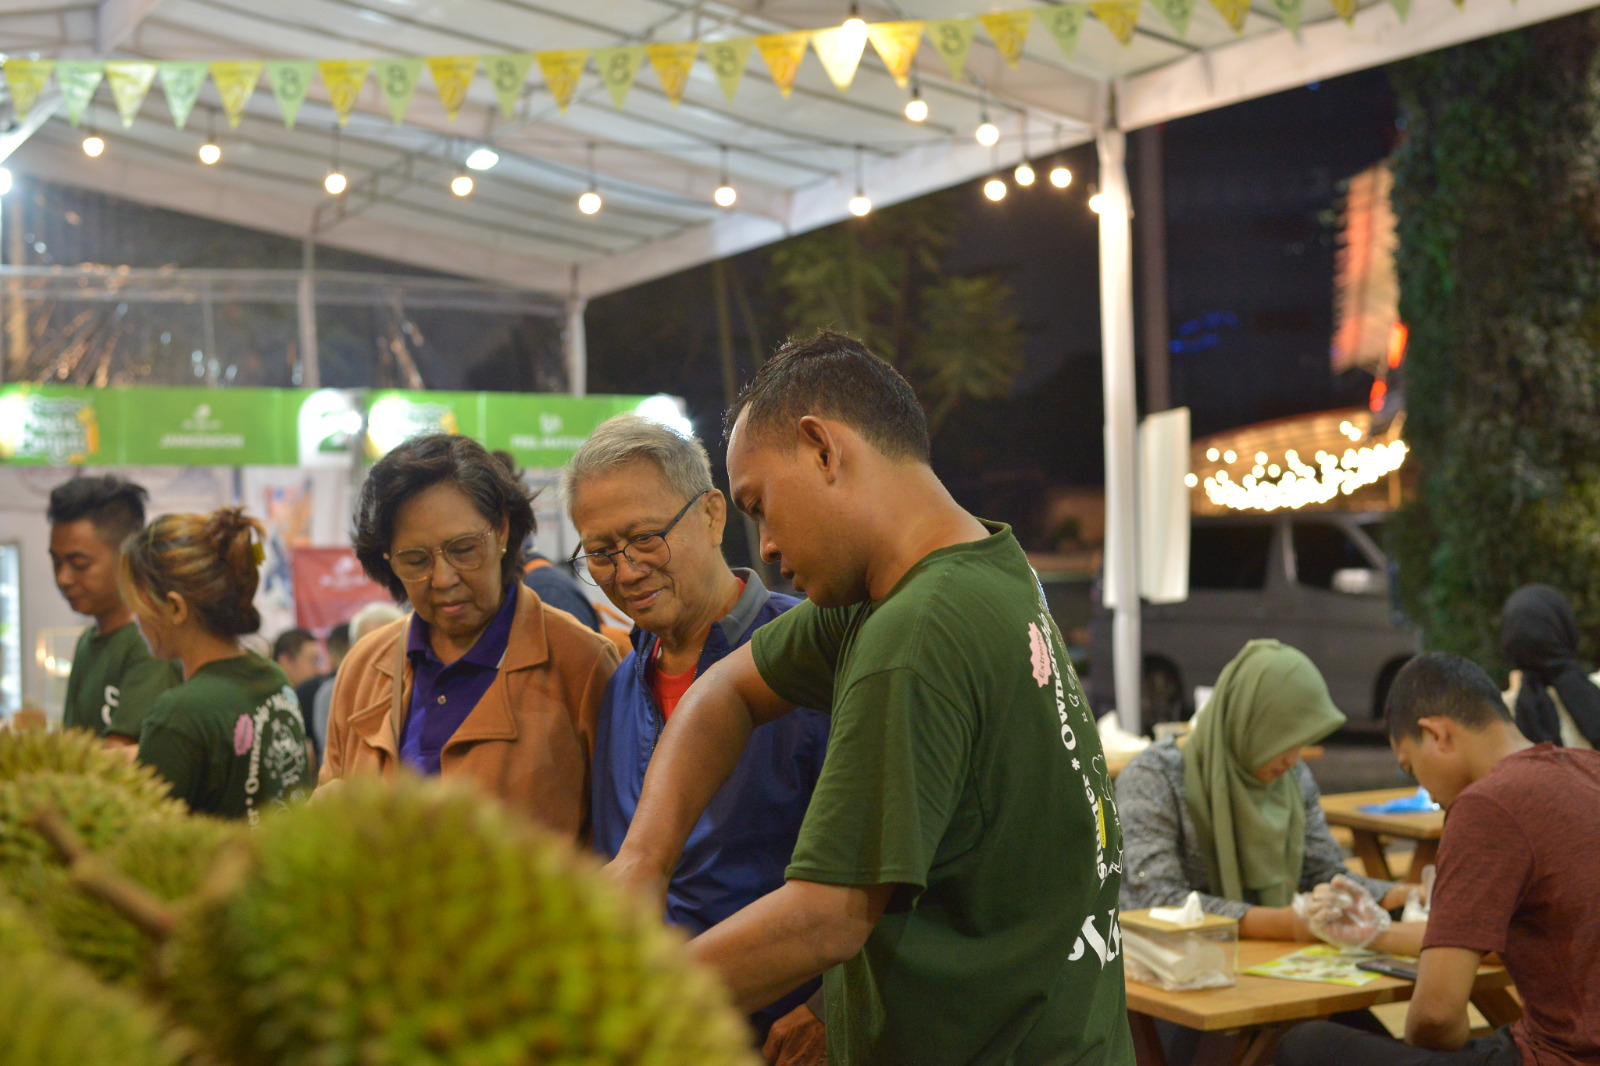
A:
{"x":1517,"y":875}
{"x":668,"y":689}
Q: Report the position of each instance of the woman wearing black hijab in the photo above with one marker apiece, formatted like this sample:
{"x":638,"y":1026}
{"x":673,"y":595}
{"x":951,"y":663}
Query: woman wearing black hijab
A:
{"x":1555,"y":701}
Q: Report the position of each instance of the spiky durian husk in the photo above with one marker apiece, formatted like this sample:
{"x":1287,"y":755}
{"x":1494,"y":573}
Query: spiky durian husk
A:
{"x":412,"y":923}
{"x":77,"y":752}
{"x":53,"y":1011}
{"x":20,"y":933}
{"x":168,"y":857}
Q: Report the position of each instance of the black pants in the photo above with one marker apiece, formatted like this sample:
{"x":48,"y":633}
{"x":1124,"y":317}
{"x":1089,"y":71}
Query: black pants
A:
{"x":1328,"y":1044}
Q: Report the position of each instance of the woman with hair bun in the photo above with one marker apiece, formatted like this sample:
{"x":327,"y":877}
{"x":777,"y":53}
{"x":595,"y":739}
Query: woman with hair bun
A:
{"x":229,"y":738}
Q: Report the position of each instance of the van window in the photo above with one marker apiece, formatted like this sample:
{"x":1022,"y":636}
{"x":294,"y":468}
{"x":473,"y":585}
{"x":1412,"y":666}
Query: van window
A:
{"x":1229,"y":557}
{"x":1321,"y":550}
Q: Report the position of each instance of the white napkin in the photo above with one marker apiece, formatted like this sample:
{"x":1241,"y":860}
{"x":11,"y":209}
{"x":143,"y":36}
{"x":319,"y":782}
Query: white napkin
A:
{"x":1188,"y":914}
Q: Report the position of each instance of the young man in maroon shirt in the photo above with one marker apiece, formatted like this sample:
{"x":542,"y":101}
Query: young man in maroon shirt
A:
{"x":1516,"y":877}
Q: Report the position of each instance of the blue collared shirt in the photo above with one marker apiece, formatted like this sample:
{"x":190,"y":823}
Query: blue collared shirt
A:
{"x":442,"y":696}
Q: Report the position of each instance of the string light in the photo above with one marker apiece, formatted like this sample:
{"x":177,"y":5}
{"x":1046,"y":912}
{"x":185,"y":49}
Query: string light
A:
{"x":590,"y":203}
{"x":995,"y":189}
{"x":1097,"y":203}
{"x":987,"y":133}
{"x":916,"y":107}
{"x":483,"y":158}
{"x":1300,"y":484}
{"x":855,"y":23}
{"x":726,"y":195}
{"x":1024,"y":173}
{"x":335,"y":182}
{"x":461,"y":185}
{"x":93,"y":146}
{"x":1060,"y":176}
{"x":211,"y":152}
{"x":859,"y":204}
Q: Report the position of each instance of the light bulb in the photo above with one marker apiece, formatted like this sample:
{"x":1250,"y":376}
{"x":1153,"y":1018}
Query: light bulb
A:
{"x":988,"y":134}
{"x":210,"y":153}
{"x":1024,"y":174}
{"x":855,"y":24}
{"x":725,"y":195}
{"x":860,"y":205}
{"x":917,"y":109}
{"x":93,"y":146}
{"x":461,"y":185}
{"x":589,"y":203}
{"x":5,"y":181}
{"x":1060,"y":177}
{"x":995,"y":189}
{"x":335,"y":183}
{"x":482,"y":159}
{"x":1097,"y":202}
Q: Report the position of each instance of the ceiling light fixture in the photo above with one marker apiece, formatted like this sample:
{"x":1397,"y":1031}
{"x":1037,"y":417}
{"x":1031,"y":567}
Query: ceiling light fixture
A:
{"x":590,"y":203}
{"x":211,"y":152}
{"x":859,"y":204}
{"x":726,"y":195}
{"x":482,"y":158}
{"x":916,"y":107}
{"x":94,"y":146}
{"x":336,"y":183}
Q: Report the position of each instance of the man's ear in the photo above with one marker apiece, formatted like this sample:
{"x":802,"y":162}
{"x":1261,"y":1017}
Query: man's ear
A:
{"x":1439,"y":729}
{"x":717,"y":513}
{"x":821,"y":445}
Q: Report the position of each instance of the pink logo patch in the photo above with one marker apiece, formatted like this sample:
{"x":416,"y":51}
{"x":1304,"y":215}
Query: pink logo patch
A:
{"x":1039,"y":652}
{"x":244,"y":735}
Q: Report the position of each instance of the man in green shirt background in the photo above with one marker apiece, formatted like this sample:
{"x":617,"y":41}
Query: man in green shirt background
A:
{"x":114,"y":681}
{"x":957,"y":872}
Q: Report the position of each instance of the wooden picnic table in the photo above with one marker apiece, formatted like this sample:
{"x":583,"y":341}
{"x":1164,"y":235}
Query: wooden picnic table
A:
{"x":1243,"y":1023}
{"x":1116,"y":761}
{"x":1369,"y":830}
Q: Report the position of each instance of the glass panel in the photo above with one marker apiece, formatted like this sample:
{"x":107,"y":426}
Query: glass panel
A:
{"x":1229,"y":557}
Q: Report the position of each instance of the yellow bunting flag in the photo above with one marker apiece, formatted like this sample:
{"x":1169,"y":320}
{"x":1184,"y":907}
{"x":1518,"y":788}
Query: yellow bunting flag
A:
{"x":236,"y":82}
{"x":452,"y":76}
{"x":728,"y":61}
{"x":1346,"y":9}
{"x":783,"y":53}
{"x":1009,"y":30}
{"x":1234,"y":11}
{"x":26,"y":78}
{"x":78,"y":79}
{"x":397,"y":82}
{"x":129,"y":82}
{"x":672,"y":63}
{"x":1176,"y":12}
{"x":1120,"y":16}
{"x":344,"y":78}
{"x":508,"y":73}
{"x":896,"y":44}
{"x":952,"y":38}
{"x":561,"y":73}
{"x":1064,"y":23}
{"x":619,"y":67}
{"x":840,"y":50}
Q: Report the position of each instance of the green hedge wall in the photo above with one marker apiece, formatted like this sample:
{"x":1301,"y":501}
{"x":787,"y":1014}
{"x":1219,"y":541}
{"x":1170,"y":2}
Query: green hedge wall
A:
{"x":1497,"y":189}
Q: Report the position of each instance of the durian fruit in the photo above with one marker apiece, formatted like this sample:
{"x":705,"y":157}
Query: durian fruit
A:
{"x":77,"y":752}
{"x":20,"y":934}
{"x":414,"y":922}
{"x":168,"y":857}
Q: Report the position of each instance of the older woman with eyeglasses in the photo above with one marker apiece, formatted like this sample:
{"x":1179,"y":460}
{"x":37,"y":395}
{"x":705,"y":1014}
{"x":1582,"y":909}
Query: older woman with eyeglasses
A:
{"x":482,"y":682}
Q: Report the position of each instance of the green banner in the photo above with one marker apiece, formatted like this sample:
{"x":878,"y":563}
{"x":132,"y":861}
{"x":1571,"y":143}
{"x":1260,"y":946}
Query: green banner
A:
{"x":51,"y":425}
{"x":543,"y":429}
{"x":206,"y":427}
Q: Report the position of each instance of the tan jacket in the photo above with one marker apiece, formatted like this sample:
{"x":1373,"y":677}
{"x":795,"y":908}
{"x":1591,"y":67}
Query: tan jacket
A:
{"x":530,"y":739}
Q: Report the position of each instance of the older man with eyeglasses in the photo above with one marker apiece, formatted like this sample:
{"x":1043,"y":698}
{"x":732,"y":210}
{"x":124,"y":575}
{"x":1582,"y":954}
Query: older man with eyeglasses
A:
{"x":650,"y":526}
{"x":482,"y":683}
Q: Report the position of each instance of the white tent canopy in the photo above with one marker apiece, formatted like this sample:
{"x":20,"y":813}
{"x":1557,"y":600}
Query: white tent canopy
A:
{"x":794,"y":161}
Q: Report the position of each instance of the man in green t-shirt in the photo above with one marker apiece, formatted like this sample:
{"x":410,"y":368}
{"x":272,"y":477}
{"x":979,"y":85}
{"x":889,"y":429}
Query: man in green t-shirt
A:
{"x":114,"y":681}
{"x":957,"y":872}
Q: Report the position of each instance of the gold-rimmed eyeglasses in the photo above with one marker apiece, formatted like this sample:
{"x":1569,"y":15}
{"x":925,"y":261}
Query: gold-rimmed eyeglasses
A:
{"x":647,"y":552}
{"x":463,"y":554}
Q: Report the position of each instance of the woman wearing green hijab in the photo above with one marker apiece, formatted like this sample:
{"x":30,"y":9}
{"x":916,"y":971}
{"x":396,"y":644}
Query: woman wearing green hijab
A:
{"x":1232,"y":812}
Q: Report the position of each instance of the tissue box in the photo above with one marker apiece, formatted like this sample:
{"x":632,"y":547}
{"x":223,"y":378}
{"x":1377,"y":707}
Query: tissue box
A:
{"x":1180,"y":958}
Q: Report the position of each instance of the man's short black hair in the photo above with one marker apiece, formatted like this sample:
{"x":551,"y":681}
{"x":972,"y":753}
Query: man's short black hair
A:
{"x":420,"y":463}
{"x":834,"y":376}
{"x":1440,"y":685}
{"x":114,"y":506}
{"x":339,"y":640}
{"x":290,"y":642}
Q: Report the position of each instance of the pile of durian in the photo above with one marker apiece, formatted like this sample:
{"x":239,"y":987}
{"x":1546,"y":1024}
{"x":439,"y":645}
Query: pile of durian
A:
{"x":377,"y":925}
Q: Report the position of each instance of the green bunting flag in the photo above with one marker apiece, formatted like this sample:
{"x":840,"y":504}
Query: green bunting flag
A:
{"x":507,"y":74}
{"x":618,"y":68}
{"x":1064,"y":23}
{"x":78,"y":78}
{"x":291,"y":80}
{"x":1289,"y":12}
{"x":952,"y":39}
{"x":1177,"y":12}
{"x":181,"y":81}
{"x":397,"y":81}
{"x":728,"y":60}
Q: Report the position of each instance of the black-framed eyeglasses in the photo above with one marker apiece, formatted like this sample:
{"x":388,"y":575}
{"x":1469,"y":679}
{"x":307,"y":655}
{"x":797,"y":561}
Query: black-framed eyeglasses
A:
{"x":647,"y":552}
{"x":463,"y":554}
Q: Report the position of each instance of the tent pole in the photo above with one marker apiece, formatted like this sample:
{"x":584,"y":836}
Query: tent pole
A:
{"x":1121,"y":583}
{"x":306,"y":308}
{"x":577,"y":348}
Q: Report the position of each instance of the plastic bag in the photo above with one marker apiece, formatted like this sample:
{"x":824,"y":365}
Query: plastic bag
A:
{"x":1344,"y":914}
{"x":1419,"y":901}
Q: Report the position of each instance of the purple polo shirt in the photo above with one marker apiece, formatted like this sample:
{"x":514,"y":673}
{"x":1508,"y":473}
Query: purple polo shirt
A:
{"x":442,"y":696}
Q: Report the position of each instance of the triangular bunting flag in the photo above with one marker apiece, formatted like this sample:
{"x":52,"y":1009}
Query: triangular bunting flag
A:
{"x":728,"y":61}
{"x":840,"y":50}
{"x":1009,"y":30}
{"x":1289,"y":12}
{"x":1402,"y":8}
{"x":618,"y":68}
{"x":182,"y":81}
{"x":452,"y":76}
{"x":290,"y":80}
{"x":1063,"y":22}
{"x":236,"y":80}
{"x":1120,"y":16}
{"x":672,"y":63}
{"x":129,"y":83}
{"x":1345,"y":9}
{"x":896,"y":44}
{"x":78,"y":79}
{"x":1176,"y":12}
{"x":26,"y":78}
{"x":953,"y":39}
{"x":784,"y":53}
{"x":508,"y":73}
{"x":1234,"y":12}
{"x":561,"y":73}
{"x":344,"y":78}
{"x":397,"y":82}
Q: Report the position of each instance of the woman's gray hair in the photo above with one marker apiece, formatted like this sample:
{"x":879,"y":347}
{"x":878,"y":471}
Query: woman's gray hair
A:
{"x":626,"y":439}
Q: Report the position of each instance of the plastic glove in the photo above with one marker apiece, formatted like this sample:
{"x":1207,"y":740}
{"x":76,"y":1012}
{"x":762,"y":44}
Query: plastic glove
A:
{"x":1300,"y":912}
{"x":1418,"y":901}
{"x":1345,"y":915}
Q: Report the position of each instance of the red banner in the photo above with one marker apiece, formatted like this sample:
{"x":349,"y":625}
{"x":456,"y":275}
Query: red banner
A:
{"x":330,"y":586}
